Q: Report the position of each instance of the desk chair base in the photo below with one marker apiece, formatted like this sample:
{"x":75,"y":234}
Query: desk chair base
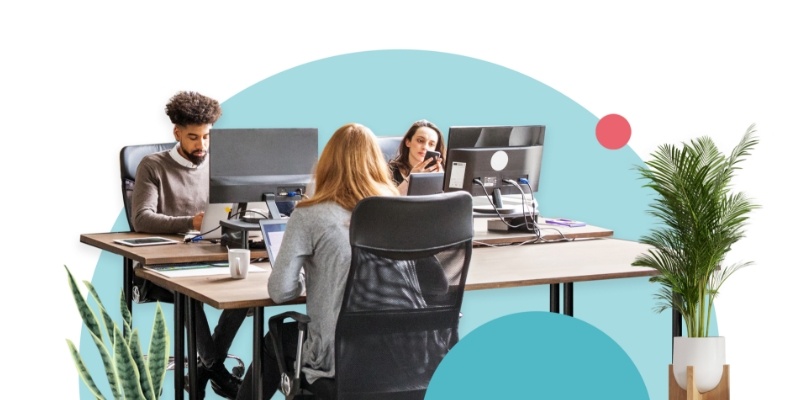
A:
{"x":721,"y":392}
{"x":237,"y":371}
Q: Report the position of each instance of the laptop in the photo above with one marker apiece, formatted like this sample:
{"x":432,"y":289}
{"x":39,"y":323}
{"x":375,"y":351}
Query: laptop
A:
{"x":272,"y":232}
{"x":425,"y":183}
{"x":215,"y":212}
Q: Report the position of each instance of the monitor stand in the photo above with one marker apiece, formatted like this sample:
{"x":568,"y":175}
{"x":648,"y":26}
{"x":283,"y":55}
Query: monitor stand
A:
{"x":235,"y":230}
{"x":497,"y":205}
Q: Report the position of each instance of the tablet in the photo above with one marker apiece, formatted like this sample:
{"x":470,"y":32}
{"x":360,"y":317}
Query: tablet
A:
{"x":146,"y":241}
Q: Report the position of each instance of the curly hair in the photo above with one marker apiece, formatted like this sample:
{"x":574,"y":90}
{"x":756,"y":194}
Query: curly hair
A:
{"x":192,"y":108}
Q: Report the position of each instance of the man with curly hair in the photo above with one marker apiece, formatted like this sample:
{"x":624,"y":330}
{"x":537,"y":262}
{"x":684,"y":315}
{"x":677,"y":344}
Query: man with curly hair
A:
{"x":170,"y":196}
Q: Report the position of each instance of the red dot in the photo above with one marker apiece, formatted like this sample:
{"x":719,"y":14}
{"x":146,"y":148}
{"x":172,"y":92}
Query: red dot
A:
{"x":613,"y":131}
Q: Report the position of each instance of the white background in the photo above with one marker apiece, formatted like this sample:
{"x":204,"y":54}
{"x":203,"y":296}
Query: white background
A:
{"x":81,"y":79}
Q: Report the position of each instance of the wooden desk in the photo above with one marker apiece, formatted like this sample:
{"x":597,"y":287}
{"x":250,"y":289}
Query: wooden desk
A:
{"x":498,"y":261}
{"x":198,"y":252}
{"x":490,"y":267}
{"x":549,"y":232}
{"x":221,"y":292}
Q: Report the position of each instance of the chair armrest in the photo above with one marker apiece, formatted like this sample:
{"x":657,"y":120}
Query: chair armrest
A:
{"x":290,"y":380}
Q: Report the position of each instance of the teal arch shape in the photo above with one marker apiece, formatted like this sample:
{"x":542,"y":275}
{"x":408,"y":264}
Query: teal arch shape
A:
{"x":537,"y":355}
{"x":387,"y":90}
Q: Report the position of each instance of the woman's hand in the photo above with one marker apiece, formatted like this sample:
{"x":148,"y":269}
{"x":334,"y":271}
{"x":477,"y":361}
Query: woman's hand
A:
{"x":421,"y":167}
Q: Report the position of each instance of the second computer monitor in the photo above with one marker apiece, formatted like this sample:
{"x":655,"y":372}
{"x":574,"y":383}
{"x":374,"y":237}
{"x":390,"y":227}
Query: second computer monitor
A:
{"x":483,"y":159}
{"x":247,"y":164}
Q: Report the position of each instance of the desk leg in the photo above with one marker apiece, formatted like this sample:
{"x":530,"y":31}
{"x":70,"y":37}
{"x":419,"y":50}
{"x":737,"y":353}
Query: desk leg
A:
{"x":178,"y":349}
{"x":192,"y":347}
{"x":127,"y":282}
{"x":554,"y":298}
{"x":568,"y":298}
{"x":258,"y":339}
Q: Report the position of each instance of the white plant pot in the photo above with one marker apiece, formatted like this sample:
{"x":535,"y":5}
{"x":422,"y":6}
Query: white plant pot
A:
{"x":705,"y":354}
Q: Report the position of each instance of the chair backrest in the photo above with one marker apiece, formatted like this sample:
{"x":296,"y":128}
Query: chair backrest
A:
{"x":389,"y":146}
{"x":400,"y":310}
{"x":129,"y":159}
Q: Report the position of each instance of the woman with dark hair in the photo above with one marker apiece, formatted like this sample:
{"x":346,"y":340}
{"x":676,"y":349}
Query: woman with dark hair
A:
{"x":421,"y":137}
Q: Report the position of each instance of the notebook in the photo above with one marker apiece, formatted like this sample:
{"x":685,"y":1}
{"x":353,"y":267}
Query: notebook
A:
{"x":272,"y":232}
{"x":425,"y":183}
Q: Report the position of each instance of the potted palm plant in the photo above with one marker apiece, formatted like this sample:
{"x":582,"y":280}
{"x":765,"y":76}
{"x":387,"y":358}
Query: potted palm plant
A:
{"x":700,"y":217}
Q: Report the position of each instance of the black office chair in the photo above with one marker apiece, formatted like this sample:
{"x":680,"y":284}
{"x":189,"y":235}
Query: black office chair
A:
{"x":138,"y":289}
{"x":389,"y":146}
{"x":129,"y":159}
{"x":400,"y":311}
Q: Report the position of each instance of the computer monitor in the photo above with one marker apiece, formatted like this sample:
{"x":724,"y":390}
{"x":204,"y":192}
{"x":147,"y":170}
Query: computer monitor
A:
{"x":264,"y":164}
{"x":481,"y":158}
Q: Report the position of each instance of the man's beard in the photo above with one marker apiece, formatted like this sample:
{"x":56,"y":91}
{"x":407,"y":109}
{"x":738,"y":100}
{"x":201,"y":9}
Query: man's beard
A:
{"x":196,"y":160}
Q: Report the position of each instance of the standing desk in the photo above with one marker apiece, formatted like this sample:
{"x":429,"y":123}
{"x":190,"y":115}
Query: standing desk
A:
{"x":496,"y":263}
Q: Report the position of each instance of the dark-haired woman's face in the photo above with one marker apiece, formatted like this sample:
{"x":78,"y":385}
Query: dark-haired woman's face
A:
{"x":194,"y":141}
{"x":424,"y":139}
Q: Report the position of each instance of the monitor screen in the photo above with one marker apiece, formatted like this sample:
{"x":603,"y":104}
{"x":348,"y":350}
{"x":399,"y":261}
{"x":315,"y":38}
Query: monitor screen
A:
{"x":245,"y":165}
{"x":481,"y":158}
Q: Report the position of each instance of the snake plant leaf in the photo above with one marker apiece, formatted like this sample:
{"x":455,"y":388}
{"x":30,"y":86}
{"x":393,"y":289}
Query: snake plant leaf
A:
{"x":87,"y":315}
{"x":108,"y":322}
{"x":83,"y":372}
{"x":138,"y":358}
{"x":108,"y":364}
{"x":158,"y":353}
{"x":126,"y":369}
{"x":126,"y":314}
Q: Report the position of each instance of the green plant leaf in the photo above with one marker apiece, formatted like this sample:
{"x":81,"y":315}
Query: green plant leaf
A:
{"x":108,"y":365}
{"x":159,"y":350}
{"x":83,"y":372}
{"x":126,"y":314}
{"x":108,"y":322}
{"x":87,"y":315}
{"x":145,"y":381}
{"x":126,"y":368}
{"x":700,"y":219}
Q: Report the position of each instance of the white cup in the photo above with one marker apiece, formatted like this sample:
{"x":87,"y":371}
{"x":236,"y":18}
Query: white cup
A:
{"x":239,"y":262}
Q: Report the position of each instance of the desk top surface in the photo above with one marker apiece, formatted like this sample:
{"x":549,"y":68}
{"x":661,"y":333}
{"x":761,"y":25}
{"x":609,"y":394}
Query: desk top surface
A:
{"x":490,"y":267}
{"x":179,"y":253}
{"x":210,"y":252}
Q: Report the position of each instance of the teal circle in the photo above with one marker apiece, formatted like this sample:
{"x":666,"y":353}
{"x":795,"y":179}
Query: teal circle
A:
{"x":387,"y":90}
{"x":537,"y":355}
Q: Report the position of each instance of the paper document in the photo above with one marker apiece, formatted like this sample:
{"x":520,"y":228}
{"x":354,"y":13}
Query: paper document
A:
{"x":565,"y":222}
{"x":175,"y":271}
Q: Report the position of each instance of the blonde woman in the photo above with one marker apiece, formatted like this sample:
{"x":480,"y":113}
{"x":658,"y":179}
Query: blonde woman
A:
{"x":317,"y":243}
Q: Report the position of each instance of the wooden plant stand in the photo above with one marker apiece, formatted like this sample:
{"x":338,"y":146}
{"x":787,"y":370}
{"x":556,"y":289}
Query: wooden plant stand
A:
{"x":721,"y":392}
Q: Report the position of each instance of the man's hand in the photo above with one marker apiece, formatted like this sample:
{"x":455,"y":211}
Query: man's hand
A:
{"x":197,"y":221}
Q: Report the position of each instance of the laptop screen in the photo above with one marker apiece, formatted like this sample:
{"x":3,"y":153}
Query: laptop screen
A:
{"x":272,"y":231}
{"x":425,"y":183}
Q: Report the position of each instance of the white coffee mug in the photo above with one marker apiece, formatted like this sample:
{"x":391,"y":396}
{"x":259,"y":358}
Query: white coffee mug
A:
{"x":239,"y":262}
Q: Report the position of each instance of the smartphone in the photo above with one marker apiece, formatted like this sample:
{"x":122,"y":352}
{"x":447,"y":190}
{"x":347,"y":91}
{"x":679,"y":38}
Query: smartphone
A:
{"x":434,"y":154}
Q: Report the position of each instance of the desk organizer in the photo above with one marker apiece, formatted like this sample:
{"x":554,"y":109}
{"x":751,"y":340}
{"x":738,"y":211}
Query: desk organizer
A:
{"x":721,"y":392}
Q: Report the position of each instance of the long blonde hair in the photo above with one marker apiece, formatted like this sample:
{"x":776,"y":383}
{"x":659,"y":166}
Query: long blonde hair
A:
{"x":350,"y":168}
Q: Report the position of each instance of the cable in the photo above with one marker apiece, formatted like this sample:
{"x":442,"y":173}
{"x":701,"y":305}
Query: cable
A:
{"x":244,"y":212}
{"x":488,"y":197}
{"x":199,"y":236}
{"x":531,"y":225}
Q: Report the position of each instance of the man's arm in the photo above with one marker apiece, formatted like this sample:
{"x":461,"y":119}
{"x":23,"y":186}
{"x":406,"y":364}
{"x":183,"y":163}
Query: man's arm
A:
{"x":147,"y":197}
